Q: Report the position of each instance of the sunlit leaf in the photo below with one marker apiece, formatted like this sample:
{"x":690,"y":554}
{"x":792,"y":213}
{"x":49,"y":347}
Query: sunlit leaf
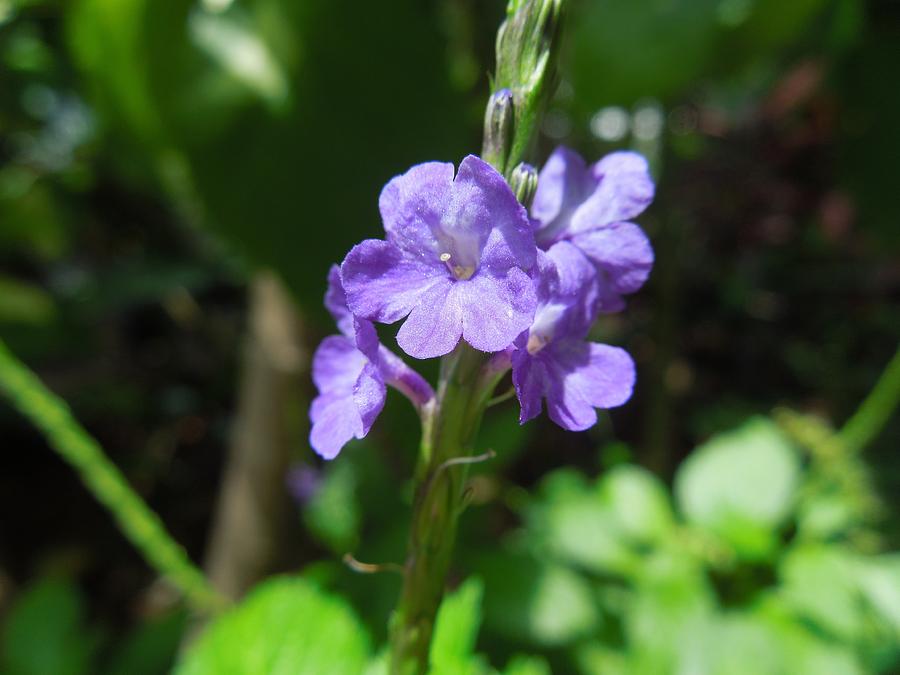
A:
{"x":286,"y":626}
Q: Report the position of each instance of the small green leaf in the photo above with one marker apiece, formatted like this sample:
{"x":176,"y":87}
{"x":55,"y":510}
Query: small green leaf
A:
{"x":527,"y":665}
{"x":45,"y":633}
{"x":639,"y":503}
{"x":456,"y":631}
{"x":286,"y":626}
{"x":741,"y":486}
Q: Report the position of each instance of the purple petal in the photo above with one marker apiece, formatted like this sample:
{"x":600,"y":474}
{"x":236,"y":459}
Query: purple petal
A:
{"x":622,"y":252}
{"x":336,"y":302}
{"x":575,"y":377}
{"x":585,"y":376}
{"x":369,"y":394}
{"x":383,"y":283}
{"x":403,"y":378}
{"x":435,"y":324}
{"x":335,"y":421}
{"x":366,"y":338}
{"x":624,"y":190}
{"x":340,"y":370}
{"x":484,"y":207}
{"x":337,"y":364}
{"x":412,"y":206}
{"x":495,"y":309}
{"x":563,"y":184}
{"x":529,"y":376}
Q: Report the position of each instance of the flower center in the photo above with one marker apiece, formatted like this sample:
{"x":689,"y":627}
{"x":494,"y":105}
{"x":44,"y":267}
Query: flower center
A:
{"x":543,"y":329}
{"x":536,"y":343}
{"x":461,"y":272}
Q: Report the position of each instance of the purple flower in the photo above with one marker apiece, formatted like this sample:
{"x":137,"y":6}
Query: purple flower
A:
{"x":351,"y":372}
{"x":552,"y":361}
{"x":456,"y":262}
{"x":591,"y":207}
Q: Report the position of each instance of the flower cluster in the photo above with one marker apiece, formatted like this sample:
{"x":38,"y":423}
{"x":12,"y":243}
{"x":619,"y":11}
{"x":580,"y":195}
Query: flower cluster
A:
{"x":462,"y":259}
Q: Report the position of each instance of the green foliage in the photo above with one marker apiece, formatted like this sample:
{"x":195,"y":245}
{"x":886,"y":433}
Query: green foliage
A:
{"x":45,"y":633}
{"x":726,"y":588}
{"x":230,"y":110}
{"x":136,"y":520}
{"x":456,"y":630}
{"x":741,"y":486}
{"x":150,"y":648}
{"x":286,"y":626}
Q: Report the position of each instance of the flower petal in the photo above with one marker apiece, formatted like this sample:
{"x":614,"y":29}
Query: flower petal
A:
{"x":335,"y":421}
{"x":336,"y":302}
{"x":495,"y":309}
{"x":383,"y":283}
{"x":584,"y":376}
{"x":485,"y":211}
{"x":563,"y":183}
{"x":369,"y":394}
{"x":337,"y":364}
{"x":403,"y":378}
{"x":624,"y":190}
{"x":529,"y":376}
{"x":622,"y":252}
{"x":413,"y":204}
{"x":434,"y":325}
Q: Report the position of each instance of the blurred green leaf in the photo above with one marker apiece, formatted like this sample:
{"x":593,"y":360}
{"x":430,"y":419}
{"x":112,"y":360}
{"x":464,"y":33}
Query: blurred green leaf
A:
{"x":286,"y":626}
{"x":527,"y":665}
{"x":452,"y":649}
{"x":333,"y":513}
{"x":676,"y":38}
{"x":639,"y":502}
{"x":21,"y":302}
{"x":541,"y":604}
{"x":149,"y":649}
{"x":670,"y":604}
{"x":741,"y":486}
{"x":45,"y":632}
{"x":570,"y":522}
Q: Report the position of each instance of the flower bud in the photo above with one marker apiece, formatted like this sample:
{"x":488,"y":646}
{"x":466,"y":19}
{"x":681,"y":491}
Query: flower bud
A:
{"x":524,"y":182}
{"x":498,"y":128}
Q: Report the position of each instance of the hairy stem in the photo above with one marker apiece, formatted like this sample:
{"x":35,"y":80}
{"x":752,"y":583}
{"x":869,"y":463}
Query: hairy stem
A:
{"x":462,"y":396}
{"x":137,"y":521}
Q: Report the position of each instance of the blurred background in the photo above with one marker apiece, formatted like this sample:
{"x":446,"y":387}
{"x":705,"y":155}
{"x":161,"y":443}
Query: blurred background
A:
{"x":177,"y":177}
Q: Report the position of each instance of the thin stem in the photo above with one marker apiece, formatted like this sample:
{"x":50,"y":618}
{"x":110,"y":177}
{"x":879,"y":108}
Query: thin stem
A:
{"x":137,"y":521}
{"x":877,"y":408}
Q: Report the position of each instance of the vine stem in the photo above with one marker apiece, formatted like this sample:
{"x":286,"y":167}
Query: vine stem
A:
{"x":875,"y":410}
{"x":138,"y":522}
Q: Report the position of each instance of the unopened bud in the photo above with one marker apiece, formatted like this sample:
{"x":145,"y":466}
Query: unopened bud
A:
{"x":524,"y":182}
{"x":498,"y":128}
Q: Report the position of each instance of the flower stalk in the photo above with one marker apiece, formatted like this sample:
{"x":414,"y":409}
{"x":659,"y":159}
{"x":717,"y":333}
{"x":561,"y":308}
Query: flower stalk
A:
{"x":468,"y":377}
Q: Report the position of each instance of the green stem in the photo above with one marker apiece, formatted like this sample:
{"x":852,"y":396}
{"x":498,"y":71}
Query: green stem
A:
{"x":463,"y":393}
{"x":877,"y":408}
{"x":137,"y":521}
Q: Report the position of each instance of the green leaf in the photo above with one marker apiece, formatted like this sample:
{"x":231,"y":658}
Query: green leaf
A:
{"x":45,"y":632}
{"x":286,"y":626}
{"x":571,"y":524}
{"x":547,"y":605}
{"x":21,"y":302}
{"x":741,"y":486}
{"x":150,"y":649}
{"x":456,"y":631}
{"x":526,"y":665}
{"x":639,"y":503}
{"x":333,"y":514}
